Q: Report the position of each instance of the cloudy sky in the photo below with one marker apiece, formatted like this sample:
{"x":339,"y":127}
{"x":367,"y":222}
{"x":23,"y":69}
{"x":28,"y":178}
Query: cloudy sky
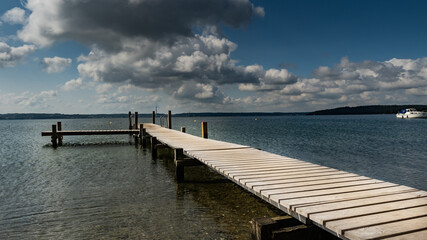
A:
{"x":113,"y":56}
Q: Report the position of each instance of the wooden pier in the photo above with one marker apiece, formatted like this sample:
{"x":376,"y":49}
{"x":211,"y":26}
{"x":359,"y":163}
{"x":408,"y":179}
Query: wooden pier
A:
{"x":347,"y":205}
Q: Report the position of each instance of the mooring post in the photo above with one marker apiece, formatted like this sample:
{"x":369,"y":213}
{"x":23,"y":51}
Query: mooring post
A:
{"x":54,"y":136}
{"x":154,"y":117}
{"x":183,"y":129}
{"x":179,"y":168}
{"x":59,"y":136}
{"x":169,"y":119}
{"x":136,"y":120}
{"x":204,"y":129}
{"x":153,"y":147}
{"x":130,"y":120}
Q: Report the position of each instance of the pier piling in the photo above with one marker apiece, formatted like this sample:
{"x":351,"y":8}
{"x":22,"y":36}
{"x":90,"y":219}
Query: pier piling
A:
{"x":179,"y":168}
{"x":183,"y":129}
{"x":153,"y":147}
{"x":154,"y":117}
{"x":204,"y":130}
{"x":144,"y":138}
{"x":59,"y":136}
{"x":136,"y":120}
{"x":130,"y":120}
{"x":54,"y":136}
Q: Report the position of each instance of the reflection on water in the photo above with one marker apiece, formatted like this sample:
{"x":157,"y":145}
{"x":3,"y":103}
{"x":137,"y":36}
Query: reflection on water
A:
{"x":102,"y":187}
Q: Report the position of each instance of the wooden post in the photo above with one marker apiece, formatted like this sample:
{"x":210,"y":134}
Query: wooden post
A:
{"x":179,"y":168}
{"x":54,"y":136}
{"x":140,"y":133}
{"x":204,"y":130}
{"x":169,"y":119}
{"x":136,"y":120}
{"x":183,"y":129}
{"x":59,"y":136}
{"x":130,"y":120}
{"x":153,"y":147}
{"x":154,"y":117}
{"x":144,"y":138}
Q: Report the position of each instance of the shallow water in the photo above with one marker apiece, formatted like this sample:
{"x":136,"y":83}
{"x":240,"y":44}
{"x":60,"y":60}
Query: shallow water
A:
{"x":102,"y":187}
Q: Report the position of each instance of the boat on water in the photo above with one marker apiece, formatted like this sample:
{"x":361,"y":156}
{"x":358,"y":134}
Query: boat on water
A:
{"x":411,"y":113}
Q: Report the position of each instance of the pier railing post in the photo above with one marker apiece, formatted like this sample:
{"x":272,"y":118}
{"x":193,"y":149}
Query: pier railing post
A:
{"x":136,"y":120}
{"x":179,"y":168}
{"x":154,"y":117}
{"x":183,"y":129}
{"x":204,"y":130}
{"x":130,"y":120}
{"x":54,"y":136}
{"x":153,"y":147}
{"x":59,"y":136}
{"x":169,"y":119}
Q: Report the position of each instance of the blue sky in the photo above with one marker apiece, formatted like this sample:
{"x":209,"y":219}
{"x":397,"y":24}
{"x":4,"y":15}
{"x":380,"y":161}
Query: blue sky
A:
{"x":113,"y":56}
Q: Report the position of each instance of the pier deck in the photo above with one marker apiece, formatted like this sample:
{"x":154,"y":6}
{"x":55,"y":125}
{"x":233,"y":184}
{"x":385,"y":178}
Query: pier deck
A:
{"x":348,"y":205}
{"x":91,"y":132}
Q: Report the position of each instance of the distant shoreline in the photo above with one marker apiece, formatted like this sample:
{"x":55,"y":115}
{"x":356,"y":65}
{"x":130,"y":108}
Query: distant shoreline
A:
{"x":359,"y":110}
{"x":23,"y":116}
{"x":371,"y":109}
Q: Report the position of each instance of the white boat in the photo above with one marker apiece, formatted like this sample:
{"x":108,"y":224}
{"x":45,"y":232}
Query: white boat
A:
{"x":411,"y":113}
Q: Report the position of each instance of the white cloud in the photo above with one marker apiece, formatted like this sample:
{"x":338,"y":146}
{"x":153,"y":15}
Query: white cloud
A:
{"x":10,"y":56}
{"x":14,"y":16}
{"x":72,"y":85}
{"x":103,"y":88}
{"x":55,"y":64}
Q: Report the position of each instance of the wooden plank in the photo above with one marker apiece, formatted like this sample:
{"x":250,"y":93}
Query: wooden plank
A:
{"x":339,"y":197}
{"x":339,"y":174}
{"x":315,"y":182}
{"x":306,"y":189}
{"x":331,"y":174}
{"x":263,"y":170}
{"x":418,"y":235}
{"x":283,"y":198}
{"x":390,"y":229}
{"x":324,"y":217}
{"x":291,"y":175}
{"x":279,"y":174}
{"x":272,"y":172}
{"x":370,"y":201}
{"x":258,"y":166}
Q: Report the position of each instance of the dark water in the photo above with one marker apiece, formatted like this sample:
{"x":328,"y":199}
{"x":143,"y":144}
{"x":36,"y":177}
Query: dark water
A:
{"x":103,"y":187}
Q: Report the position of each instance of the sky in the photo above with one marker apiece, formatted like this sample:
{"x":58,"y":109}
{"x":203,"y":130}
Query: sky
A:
{"x":115,"y":56}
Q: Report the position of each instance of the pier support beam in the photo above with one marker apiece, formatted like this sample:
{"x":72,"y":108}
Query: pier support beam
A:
{"x":144,"y":138}
{"x":153,"y":147}
{"x":286,"y":228}
{"x":179,"y":168}
{"x":59,"y":136}
{"x":183,"y":129}
{"x":154,"y":117}
{"x":54,"y":136}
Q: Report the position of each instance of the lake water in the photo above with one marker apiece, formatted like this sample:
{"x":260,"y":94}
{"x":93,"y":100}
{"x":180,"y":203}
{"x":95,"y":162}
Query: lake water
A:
{"x":103,"y":187}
